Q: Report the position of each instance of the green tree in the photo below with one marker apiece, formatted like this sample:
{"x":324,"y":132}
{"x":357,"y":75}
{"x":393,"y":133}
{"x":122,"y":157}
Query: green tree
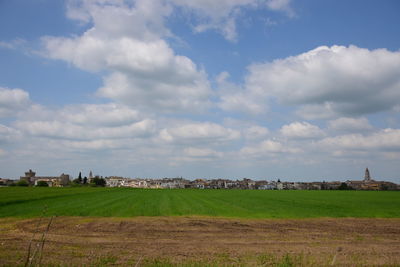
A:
{"x":42,"y":183}
{"x":22,"y":183}
{"x":80,"y":178}
{"x":99,"y":181}
{"x":344,"y":186}
{"x":76,"y":182}
{"x":85,"y":180}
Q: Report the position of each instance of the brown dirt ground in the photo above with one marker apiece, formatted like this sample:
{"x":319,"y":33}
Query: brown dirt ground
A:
{"x":160,"y":241}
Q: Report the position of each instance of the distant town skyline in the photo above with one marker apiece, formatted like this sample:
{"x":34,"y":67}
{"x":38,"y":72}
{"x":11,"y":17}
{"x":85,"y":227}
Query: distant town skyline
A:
{"x":275,"y":89}
{"x":367,"y":177}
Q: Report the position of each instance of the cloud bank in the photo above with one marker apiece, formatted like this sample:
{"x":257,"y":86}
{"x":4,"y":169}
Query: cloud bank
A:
{"x":157,"y":107}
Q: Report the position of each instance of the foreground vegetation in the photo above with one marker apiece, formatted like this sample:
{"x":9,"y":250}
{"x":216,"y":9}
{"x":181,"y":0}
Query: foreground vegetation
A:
{"x":125,"y":202}
{"x":199,"y":241}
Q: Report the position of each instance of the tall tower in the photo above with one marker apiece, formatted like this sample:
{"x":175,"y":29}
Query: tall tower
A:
{"x":367,"y":176}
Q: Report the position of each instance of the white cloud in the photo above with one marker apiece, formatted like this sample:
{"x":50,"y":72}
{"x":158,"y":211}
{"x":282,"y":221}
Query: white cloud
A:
{"x":328,"y":82}
{"x":256,"y":132}
{"x":126,"y":41}
{"x":222,"y":15}
{"x":350,"y":125}
{"x":13,"y":44}
{"x":241,"y":102}
{"x":141,"y":15}
{"x":281,"y":5}
{"x":100,"y":115}
{"x":90,"y":145}
{"x":168,"y":91}
{"x":386,"y":140}
{"x":234,"y":99}
{"x":201,"y":152}
{"x":64,"y":130}
{"x":8,"y":134}
{"x":141,"y":19}
{"x":12,"y":101}
{"x":301,"y":130}
{"x":267,"y":148}
{"x":199,"y":133}
{"x":85,"y":122}
{"x":216,"y":15}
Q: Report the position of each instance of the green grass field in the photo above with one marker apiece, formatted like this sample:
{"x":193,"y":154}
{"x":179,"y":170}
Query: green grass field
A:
{"x":125,"y":202}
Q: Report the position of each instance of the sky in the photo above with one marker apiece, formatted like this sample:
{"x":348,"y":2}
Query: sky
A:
{"x":263,"y":89}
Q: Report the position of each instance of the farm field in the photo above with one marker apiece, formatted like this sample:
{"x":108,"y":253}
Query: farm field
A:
{"x":202,"y":241}
{"x":125,"y":202}
{"x":137,"y":227}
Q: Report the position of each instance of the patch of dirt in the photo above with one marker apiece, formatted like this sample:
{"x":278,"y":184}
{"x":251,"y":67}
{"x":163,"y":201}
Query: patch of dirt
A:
{"x":180,"y":240}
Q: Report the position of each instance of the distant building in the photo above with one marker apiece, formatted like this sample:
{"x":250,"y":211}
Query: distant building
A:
{"x":115,"y":181}
{"x":369,"y":184}
{"x":52,"y":181}
{"x":6,"y":182}
{"x":198,"y":183}
{"x":367,"y":176}
{"x":279,"y":185}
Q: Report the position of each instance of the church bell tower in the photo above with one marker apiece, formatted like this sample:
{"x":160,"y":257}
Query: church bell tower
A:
{"x":367,"y":176}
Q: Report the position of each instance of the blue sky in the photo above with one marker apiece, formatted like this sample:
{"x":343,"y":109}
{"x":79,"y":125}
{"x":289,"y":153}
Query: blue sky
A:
{"x":296,"y":90}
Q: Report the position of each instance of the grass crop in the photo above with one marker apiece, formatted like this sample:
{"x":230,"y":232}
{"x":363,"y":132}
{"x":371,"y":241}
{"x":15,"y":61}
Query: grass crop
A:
{"x":126,"y":202}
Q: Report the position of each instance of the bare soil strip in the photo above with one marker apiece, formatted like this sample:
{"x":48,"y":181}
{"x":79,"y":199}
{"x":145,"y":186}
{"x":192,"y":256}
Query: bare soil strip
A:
{"x":158,"y":241}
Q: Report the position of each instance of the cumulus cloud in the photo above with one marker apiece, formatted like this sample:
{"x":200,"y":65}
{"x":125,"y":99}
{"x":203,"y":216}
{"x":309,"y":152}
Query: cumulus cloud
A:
{"x":126,"y":41}
{"x":12,"y":101}
{"x":386,"y":140}
{"x":267,"y":148}
{"x":281,"y":5}
{"x":201,"y":152}
{"x":141,"y":19}
{"x":58,"y":129}
{"x":216,"y":15}
{"x":8,"y":134}
{"x":85,"y":122}
{"x":328,"y":82}
{"x":234,"y":99}
{"x":222,"y":15}
{"x":100,"y":115}
{"x":90,"y":145}
{"x":301,"y":130}
{"x":14,"y":44}
{"x":199,"y":133}
{"x":256,"y":132}
{"x":166,"y":93}
{"x":349,"y":125}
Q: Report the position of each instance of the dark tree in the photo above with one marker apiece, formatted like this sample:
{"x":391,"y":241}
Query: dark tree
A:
{"x":85,"y":180}
{"x":76,"y":182}
{"x":22,"y":183}
{"x":344,"y":186}
{"x":42,"y":183}
{"x":80,"y":178}
{"x":99,"y":181}
{"x":384,"y":187}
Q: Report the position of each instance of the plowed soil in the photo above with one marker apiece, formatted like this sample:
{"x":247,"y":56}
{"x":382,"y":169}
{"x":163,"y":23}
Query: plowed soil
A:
{"x":159,"y":241}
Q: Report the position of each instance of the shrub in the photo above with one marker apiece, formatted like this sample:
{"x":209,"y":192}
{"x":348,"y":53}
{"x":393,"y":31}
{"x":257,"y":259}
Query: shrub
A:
{"x":344,"y":186}
{"x":42,"y":183}
{"x":99,"y":181}
{"x":22,"y":183}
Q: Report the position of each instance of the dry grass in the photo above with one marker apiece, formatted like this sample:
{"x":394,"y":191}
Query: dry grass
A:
{"x":204,"y":241}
